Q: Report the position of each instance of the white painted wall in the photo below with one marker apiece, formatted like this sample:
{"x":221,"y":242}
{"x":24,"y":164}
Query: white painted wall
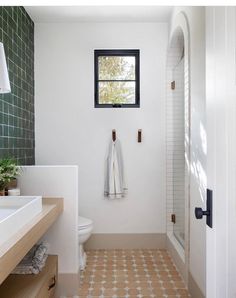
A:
{"x":62,"y":182}
{"x":196,"y":21}
{"x":69,"y":130}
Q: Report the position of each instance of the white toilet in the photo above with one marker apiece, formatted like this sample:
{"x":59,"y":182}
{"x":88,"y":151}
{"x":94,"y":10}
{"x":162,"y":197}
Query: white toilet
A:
{"x":85,"y":229}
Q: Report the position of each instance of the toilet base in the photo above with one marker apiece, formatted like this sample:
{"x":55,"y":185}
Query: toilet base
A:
{"x":82,"y":258}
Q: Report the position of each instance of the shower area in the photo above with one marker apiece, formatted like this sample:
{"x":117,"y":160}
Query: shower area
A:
{"x":177,"y":145}
{"x":178,"y":215}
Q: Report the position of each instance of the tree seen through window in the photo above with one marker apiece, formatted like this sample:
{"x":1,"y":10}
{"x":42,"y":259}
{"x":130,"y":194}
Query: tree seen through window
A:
{"x":117,"y":77}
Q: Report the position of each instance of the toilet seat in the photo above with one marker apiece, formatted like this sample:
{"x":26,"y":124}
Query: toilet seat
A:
{"x":84,"y":223}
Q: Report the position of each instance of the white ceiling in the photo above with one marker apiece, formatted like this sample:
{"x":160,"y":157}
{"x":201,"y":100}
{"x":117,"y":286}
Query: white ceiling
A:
{"x":50,"y":14}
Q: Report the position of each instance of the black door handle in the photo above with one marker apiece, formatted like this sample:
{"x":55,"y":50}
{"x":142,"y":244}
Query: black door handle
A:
{"x":199,"y":213}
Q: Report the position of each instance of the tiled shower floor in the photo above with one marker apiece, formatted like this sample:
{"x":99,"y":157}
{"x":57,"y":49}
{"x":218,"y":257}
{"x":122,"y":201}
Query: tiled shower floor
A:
{"x":131,"y":273}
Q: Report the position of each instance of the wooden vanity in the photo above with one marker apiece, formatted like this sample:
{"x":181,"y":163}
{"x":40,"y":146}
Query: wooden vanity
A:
{"x":13,"y":250}
{"x":42,"y":285}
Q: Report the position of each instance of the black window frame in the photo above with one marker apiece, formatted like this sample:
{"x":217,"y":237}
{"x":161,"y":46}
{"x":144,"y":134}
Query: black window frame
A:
{"x":125,"y":52}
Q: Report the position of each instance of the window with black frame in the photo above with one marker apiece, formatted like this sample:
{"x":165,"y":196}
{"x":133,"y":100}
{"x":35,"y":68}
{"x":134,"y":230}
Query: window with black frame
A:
{"x":117,"y":78}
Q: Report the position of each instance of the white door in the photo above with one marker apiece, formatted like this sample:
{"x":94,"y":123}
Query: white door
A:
{"x":221,"y":150}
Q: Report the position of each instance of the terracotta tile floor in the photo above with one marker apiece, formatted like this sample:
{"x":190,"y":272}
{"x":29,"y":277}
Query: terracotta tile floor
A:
{"x":131,"y":273}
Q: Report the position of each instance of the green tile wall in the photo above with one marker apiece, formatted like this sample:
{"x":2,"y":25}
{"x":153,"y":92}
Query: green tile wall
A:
{"x":17,"y":108}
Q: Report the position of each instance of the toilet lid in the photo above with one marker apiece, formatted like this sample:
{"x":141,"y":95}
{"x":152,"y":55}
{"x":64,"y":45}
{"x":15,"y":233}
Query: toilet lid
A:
{"x":84,"y":222}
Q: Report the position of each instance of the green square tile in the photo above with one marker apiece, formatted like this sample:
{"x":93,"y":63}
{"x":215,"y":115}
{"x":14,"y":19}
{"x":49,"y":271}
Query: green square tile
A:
{"x":17,"y":34}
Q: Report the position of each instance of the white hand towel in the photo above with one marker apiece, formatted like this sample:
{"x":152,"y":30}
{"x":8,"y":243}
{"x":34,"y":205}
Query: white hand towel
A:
{"x":115,"y":186}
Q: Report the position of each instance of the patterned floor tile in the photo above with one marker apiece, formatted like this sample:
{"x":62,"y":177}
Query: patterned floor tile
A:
{"x":131,"y":273}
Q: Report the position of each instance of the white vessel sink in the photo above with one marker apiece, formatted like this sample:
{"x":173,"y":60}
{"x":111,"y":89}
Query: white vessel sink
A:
{"x":15,"y":212}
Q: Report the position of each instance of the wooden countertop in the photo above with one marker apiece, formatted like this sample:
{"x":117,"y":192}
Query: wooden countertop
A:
{"x":13,"y":250}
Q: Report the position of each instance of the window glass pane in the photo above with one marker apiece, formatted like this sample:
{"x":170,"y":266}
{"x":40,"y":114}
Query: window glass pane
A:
{"x":116,"y":68}
{"x":116,"y":92}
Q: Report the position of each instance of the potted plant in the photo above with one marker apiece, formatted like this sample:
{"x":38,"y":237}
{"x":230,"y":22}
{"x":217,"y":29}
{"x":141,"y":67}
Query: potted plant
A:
{"x":8,"y":171}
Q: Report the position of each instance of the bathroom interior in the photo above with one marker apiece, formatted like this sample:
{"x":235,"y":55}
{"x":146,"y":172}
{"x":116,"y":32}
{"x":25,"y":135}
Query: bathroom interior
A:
{"x":110,"y":176}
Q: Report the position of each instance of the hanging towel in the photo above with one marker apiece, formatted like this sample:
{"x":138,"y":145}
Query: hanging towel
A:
{"x":115,"y":187}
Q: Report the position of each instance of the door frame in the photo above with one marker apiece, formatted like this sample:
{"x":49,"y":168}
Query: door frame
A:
{"x":180,"y":24}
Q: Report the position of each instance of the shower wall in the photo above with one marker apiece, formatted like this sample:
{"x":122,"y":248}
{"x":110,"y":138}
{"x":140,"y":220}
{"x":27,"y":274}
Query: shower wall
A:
{"x":178,"y":152}
{"x":175,"y":138}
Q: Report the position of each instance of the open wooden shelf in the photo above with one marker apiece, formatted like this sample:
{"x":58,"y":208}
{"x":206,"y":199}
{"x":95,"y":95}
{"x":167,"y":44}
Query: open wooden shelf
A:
{"x":32,"y":285}
{"x":13,"y":251}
